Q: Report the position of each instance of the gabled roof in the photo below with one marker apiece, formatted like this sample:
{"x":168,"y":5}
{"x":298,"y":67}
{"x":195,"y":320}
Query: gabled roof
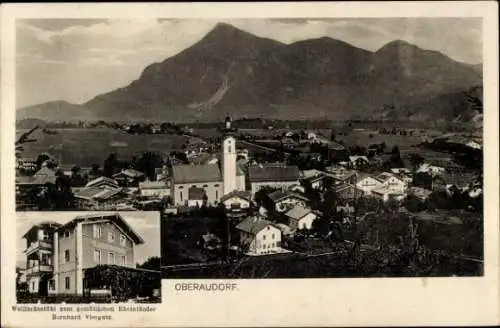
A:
{"x":236,"y":193}
{"x":355,"y":158}
{"x":315,"y":178}
{"x":384,"y":176}
{"x":253,"y":225}
{"x":43,"y":225}
{"x":114,"y":218}
{"x":279,"y":195}
{"x":297,"y":212}
{"x":187,"y":173}
{"x":153,"y":185}
{"x":273,"y":173}
{"x":102,"y":181}
{"x":43,"y":176}
{"x":98,"y":193}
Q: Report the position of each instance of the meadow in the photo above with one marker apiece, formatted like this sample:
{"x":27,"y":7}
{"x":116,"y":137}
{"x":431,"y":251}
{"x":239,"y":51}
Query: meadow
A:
{"x":85,"y":147}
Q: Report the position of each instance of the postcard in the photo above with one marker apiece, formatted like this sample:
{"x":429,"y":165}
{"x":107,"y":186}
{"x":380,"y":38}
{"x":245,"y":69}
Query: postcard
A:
{"x":250,"y":164}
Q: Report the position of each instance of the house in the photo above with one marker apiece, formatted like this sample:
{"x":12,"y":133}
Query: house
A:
{"x":300,"y":218}
{"x":128,"y":177}
{"x":58,"y":255}
{"x":103,"y":182}
{"x":99,"y":198}
{"x":367,"y":183}
{"x":358,"y":162}
{"x":272,"y":176}
{"x":259,"y":236}
{"x":392,"y":182}
{"x":431,"y":169}
{"x":154,"y":189}
{"x":196,"y":197}
{"x":317,"y":182}
{"x":282,"y":201}
{"x":237,"y":200}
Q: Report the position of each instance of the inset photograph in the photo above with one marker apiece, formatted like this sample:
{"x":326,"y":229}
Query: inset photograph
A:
{"x":96,"y":257}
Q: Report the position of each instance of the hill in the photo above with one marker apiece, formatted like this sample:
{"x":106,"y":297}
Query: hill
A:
{"x":233,"y":72}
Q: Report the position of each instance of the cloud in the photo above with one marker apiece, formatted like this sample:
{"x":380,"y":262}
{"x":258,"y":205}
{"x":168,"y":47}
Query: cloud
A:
{"x":83,"y":58}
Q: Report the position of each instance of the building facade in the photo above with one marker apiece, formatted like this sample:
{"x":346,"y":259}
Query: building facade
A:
{"x":58,"y":255}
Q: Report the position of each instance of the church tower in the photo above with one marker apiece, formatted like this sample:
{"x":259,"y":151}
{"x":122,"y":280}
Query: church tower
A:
{"x":228,"y":159}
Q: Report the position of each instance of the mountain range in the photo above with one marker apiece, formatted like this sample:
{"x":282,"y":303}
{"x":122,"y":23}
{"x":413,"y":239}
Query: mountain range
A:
{"x":232,"y":72}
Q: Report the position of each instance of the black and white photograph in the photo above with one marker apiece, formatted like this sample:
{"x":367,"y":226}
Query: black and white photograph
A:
{"x":88,"y":257}
{"x":273,"y":148}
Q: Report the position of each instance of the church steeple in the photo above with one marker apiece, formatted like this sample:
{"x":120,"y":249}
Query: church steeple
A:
{"x":228,"y":158}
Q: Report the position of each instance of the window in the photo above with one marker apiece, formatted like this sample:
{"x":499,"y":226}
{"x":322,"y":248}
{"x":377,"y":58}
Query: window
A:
{"x":123,"y":260}
{"x":216,"y":194}
{"x":181,"y":197}
{"x":123,"y":240}
{"x":111,"y":235}
{"x":33,"y":285}
{"x":97,"y":231}
{"x":111,"y":258}
{"x":97,"y":256}
{"x":52,"y":284}
{"x":272,"y":236}
{"x":264,"y":237}
{"x":229,"y":149}
{"x":66,"y":234}
{"x":45,"y":235}
{"x":66,"y":283}
{"x":66,"y":256}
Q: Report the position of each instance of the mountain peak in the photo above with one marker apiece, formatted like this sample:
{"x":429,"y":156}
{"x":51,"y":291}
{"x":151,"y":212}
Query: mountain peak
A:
{"x":225,"y":30}
{"x":398,"y":45}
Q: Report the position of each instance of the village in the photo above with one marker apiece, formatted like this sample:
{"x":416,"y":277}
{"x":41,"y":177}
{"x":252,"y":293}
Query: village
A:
{"x":301,"y":192}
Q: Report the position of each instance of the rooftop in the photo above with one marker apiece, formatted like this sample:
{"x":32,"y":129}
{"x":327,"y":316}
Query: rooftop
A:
{"x":236,"y":193}
{"x":273,"y":173}
{"x":115,"y":218}
{"x":297,"y":212}
{"x":187,"y":173}
{"x":278,"y":195}
{"x":253,"y":225}
{"x":153,"y":185}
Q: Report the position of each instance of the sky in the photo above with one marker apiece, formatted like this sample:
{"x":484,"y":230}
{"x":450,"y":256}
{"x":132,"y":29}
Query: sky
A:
{"x":145,"y":224}
{"x":76,"y":59}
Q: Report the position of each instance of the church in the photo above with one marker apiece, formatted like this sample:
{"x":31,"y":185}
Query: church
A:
{"x":216,"y":180}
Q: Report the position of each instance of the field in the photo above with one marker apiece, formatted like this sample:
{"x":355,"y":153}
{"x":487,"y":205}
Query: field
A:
{"x":92,"y":146}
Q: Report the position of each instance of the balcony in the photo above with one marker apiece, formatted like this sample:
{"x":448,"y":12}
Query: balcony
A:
{"x":39,"y":269}
{"x":39,"y":244}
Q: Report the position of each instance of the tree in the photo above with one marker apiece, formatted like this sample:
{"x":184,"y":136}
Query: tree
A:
{"x":147,"y":164}
{"x":111,"y":165}
{"x":42,"y":158}
{"x":76,"y":178}
{"x":152,"y":263}
{"x":416,"y":160}
{"x":333,"y":135}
